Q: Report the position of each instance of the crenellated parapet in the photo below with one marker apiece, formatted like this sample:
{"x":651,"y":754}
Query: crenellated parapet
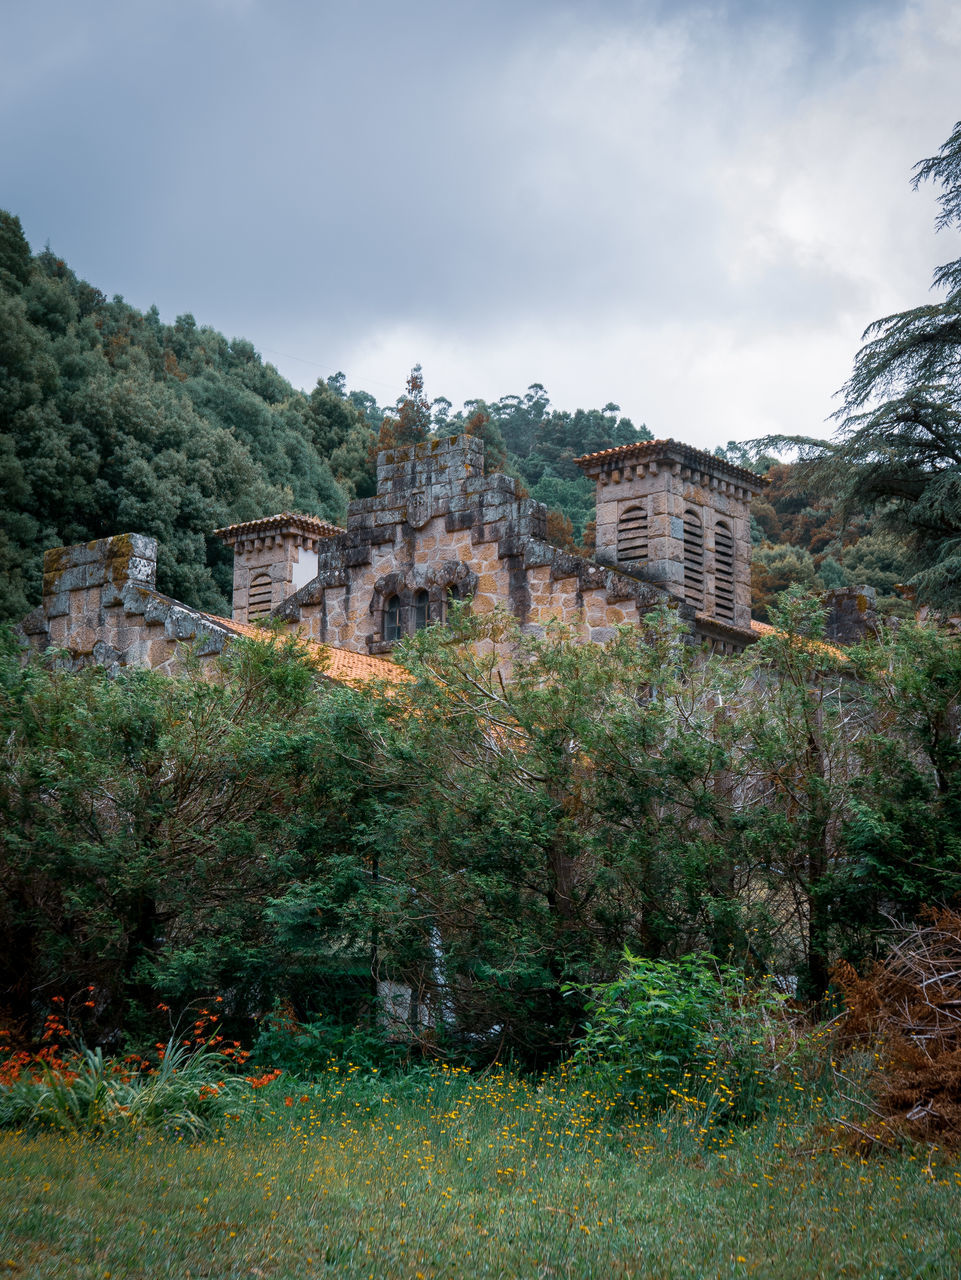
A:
{"x":439,"y":529}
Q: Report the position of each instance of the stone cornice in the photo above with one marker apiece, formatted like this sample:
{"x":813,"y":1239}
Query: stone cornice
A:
{"x":650,"y":456}
{"x":305,"y":530}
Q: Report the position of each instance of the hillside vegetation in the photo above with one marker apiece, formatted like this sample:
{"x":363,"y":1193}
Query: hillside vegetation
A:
{"x":113,"y":421}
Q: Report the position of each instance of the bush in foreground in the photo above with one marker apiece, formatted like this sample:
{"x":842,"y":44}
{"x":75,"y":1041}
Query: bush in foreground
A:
{"x":692,"y":1031}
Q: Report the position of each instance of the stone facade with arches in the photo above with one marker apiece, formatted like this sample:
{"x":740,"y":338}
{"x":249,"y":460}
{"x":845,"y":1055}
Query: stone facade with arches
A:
{"x":672,"y":526}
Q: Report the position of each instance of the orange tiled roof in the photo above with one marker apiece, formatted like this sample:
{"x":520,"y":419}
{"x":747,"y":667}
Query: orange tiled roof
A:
{"x":698,"y":457}
{"x":341,"y":665}
{"x":289,"y":519}
{"x":765,"y":629}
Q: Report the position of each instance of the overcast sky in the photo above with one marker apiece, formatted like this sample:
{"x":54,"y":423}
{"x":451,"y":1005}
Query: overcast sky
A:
{"x":690,"y":209}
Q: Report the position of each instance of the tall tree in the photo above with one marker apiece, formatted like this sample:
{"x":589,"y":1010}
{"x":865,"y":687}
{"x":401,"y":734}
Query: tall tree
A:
{"x":899,"y":445}
{"x":411,"y":423}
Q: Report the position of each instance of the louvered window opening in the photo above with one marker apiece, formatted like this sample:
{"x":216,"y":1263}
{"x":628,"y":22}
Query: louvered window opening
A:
{"x":632,"y":536}
{"x":693,"y":560}
{"x":258,"y":597}
{"x":724,"y":572}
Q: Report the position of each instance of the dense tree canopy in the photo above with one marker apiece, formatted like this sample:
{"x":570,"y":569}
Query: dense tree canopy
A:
{"x":476,"y":837}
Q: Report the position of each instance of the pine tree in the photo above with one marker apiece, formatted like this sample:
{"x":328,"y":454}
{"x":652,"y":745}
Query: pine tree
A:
{"x":411,"y":424}
{"x":898,"y":449}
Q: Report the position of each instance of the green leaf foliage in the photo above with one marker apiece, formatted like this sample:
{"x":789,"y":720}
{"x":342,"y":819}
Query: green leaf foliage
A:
{"x":691,"y":1031}
{"x":111,"y":421}
{"x":435,"y":861}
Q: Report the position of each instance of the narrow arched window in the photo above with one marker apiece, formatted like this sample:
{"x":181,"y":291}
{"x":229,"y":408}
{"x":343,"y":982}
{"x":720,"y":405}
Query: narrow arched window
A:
{"x":421,"y":609}
{"x":259,"y":594}
{"x":693,"y":559}
{"x":632,"y":536}
{"x":392,"y":618}
{"x":724,"y":571}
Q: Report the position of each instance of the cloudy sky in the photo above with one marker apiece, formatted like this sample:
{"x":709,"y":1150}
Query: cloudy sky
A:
{"x":690,"y":209}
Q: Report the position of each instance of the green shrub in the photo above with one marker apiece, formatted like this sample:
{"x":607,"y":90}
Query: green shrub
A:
{"x":691,"y":1032}
{"x":305,"y":1047}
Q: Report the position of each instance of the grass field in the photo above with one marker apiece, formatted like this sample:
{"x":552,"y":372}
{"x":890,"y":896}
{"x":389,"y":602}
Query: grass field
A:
{"x":449,"y":1175}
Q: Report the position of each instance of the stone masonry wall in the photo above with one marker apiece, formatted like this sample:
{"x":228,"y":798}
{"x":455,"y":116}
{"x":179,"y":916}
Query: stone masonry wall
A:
{"x":100,"y":606}
{"x":438,"y":525}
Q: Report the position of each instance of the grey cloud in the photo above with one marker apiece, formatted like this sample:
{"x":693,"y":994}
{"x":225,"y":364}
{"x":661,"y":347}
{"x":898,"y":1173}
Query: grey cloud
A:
{"x":341,"y":171}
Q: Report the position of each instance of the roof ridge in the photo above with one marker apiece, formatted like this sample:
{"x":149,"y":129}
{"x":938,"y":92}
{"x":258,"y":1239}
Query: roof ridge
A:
{"x":314,"y":524}
{"x":688,"y":450}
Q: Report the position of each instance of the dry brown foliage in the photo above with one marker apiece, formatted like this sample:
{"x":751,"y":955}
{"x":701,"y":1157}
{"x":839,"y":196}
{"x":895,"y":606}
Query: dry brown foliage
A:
{"x":909,"y":1007}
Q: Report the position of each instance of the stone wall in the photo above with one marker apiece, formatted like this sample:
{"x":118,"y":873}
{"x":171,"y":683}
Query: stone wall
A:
{"x":438,"y":527}
{"x":100,"y":606}
{"x":657,"y":487}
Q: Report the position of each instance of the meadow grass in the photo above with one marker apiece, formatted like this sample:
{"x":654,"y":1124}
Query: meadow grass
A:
{"x":445,"y":1174}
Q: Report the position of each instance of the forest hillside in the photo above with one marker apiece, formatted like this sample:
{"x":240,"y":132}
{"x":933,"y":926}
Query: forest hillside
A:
{"x":112,"y":420}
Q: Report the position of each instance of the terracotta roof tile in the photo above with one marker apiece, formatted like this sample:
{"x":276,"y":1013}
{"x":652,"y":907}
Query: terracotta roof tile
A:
{"x":653,"y":448}
{"x":341,"y":665}
{"x":267,"y":524}
{"x":765,"y":629}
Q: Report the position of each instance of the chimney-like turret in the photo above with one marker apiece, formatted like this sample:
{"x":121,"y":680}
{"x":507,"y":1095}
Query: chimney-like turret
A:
{"x":679,"y":517}
{"x":273,"y":558}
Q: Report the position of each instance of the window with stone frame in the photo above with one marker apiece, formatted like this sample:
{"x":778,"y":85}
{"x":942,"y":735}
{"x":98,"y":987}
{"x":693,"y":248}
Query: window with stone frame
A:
{"x":392,"y":618}
{"x":259,"y":594}
{"x":421,"y":610}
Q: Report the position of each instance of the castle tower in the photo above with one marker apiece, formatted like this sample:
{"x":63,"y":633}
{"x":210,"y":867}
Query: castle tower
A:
{"x":678,"y":517}
{"x":273,"y":558}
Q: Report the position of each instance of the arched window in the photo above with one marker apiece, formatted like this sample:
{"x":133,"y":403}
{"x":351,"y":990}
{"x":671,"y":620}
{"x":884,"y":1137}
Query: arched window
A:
{"x":632,"y":536}
{"x":693,"y":559}
{"x":421,"y":609}
{"x":259,"y":594}
{"x":392,"y":618}
{"x":724,"y":571}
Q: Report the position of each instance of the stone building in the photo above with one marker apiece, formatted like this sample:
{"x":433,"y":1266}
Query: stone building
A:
{"x":672,"y":527}
{"x":672,"y":524}
{"x":100,"y":606}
